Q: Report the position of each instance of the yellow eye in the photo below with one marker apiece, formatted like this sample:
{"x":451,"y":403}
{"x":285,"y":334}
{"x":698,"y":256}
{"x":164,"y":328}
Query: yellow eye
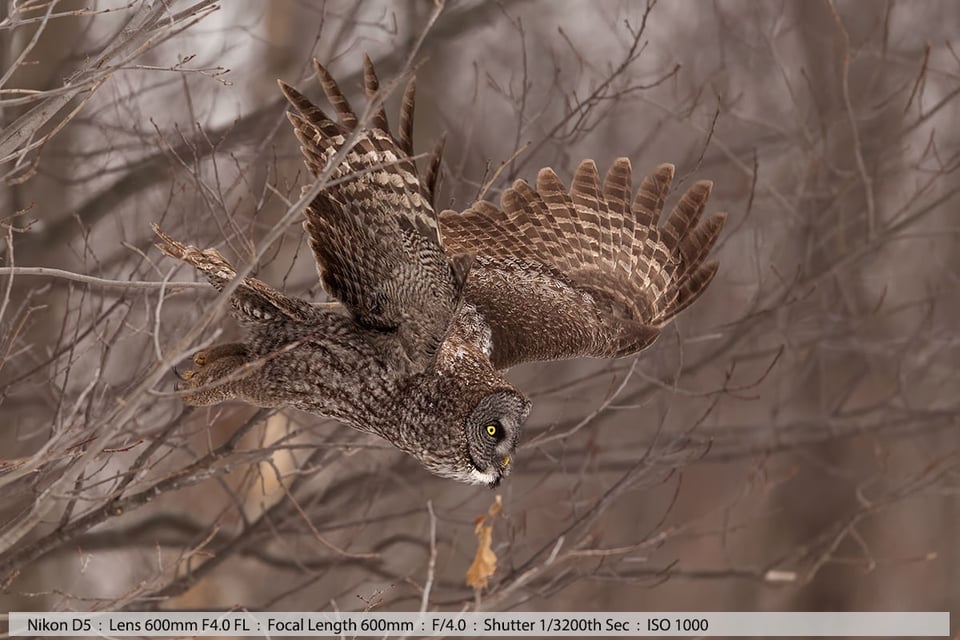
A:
{"x":492,"y":430}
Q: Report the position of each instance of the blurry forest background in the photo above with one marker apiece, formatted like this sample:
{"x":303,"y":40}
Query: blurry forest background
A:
{"x":791,"y":443}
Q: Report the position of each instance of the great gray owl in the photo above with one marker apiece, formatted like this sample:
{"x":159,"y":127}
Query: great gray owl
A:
{"x":434,"y":307}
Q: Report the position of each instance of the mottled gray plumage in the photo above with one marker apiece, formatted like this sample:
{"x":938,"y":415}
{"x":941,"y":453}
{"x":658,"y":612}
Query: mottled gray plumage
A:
{"x":433,"y":307}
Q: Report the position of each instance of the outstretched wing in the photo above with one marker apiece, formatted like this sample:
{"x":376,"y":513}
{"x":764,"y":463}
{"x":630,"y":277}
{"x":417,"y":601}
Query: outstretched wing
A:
{"x":373,"y":230}
{"x":563,"y":274}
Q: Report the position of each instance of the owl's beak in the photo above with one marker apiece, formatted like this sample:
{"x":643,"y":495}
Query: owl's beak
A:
{"x":501,"y":472}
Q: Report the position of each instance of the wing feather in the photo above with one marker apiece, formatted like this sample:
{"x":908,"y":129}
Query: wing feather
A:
{"x":373,"y":230}
{"x":586,"y":194}
{"x":405,"y":133}
{"x":334,"y":96}
{"x":617,"y":191}
{"x":371,"y":86}
{"x":584,"y":272}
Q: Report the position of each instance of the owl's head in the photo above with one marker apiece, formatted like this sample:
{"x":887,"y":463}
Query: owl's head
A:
{"x":462,"y":424}
{"x":491,"y":432}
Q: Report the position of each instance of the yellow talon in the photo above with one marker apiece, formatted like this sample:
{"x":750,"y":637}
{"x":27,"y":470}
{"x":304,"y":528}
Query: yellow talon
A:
{"x":200,"y":359}
{"x":186,"y":375}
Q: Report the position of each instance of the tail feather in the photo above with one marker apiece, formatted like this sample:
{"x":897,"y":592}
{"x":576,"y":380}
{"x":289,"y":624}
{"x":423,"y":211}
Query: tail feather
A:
{"x":254,"y":302}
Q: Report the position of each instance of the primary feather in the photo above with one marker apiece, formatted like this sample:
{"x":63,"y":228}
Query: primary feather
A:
{"x":562,"y":274}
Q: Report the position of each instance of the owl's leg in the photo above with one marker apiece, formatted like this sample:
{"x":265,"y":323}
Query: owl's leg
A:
{"x":217,"y":376}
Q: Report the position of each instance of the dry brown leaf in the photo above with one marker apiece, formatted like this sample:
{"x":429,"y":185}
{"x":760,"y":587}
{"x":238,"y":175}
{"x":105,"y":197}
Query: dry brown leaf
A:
{"x":496,"y":506}
{"x":485,"y":562}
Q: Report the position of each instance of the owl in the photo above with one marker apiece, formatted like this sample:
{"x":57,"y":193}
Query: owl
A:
{"x":430,"y":308}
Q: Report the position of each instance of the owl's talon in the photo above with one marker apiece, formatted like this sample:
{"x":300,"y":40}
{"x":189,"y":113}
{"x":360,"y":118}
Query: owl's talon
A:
{"x":202,"y":381}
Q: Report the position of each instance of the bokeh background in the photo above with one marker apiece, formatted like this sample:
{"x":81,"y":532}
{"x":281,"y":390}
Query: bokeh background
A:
{"x":790,"y":443}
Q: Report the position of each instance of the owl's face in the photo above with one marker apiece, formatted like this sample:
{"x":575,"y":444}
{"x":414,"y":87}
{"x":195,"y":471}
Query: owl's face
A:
{"x":464,"y":429}
{"x":491,"y":432}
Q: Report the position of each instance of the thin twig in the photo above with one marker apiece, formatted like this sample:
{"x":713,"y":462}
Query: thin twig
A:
{"x":854,"y":129}
{"x":432,"y":562}
{"x":49,"y":272}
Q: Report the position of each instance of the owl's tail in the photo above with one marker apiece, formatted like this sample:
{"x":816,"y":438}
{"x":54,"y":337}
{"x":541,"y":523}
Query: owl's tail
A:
{"x":254,"y":302}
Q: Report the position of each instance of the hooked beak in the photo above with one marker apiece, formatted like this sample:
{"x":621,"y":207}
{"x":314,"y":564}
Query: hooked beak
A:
{"x":502,"y":471}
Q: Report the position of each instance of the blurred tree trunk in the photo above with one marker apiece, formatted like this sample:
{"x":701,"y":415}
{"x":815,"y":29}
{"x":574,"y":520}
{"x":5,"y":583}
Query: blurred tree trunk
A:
{"x":836,"y":374}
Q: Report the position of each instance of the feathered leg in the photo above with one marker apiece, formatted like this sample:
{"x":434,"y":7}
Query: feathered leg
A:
{"x":218,"y":375}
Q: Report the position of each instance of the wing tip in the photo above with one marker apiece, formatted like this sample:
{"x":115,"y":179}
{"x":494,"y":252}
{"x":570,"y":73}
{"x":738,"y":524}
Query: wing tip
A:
{"x":665,"y":170}
{"x":321,"y":70}
{"x":719,"y":219}
{"x":294,"y":97}
{"x":711,"y":227}
{"x":691,"y":289}
{"x":586,"y":173}
{"x":701,"y":190}
{"x":549,"y":183}
{"x":308,"y":111}
{"x":589,"y":164}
